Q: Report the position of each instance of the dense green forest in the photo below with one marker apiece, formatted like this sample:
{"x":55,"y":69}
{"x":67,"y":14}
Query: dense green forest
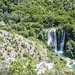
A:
{"x":29,"y":17}
{"x":32,"y":18}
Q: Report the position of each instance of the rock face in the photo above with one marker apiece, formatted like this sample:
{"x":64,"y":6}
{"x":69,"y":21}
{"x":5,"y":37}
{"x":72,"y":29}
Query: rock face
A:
{"x":42,"y":67}
{"x":17,"y":47}
{"x":14,"y":47}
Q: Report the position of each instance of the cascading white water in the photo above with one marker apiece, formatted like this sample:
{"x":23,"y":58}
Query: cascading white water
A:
{"x":62,"y":42}
{"x":55,"y":40}
{"x":52,"y":39}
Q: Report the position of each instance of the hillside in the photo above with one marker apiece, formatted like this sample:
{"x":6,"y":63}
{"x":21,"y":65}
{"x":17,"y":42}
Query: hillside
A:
{"x":37,"y":37}
{"x":14,"y":46}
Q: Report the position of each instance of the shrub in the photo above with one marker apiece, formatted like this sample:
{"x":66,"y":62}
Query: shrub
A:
{"x":5,"y":48}
{"x":8,"y":28}
{"x":20,"y":28}
{"x":0,"y":32}
{"x":3,"y":58}
{"x":8,"y":50}
{"x":23,"y":45}
{"x":1,"y":39}
{"x":25,"y":54}
{"x":19,"y":55}
{"x":24,"y":33}
{"x":1,"y":54}
{"x":31,"y":32}
{"x":70,"y":49}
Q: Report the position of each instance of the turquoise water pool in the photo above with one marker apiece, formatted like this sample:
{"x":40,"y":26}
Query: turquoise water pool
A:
{"x":60,"y":54}
{"x":73,"y":67}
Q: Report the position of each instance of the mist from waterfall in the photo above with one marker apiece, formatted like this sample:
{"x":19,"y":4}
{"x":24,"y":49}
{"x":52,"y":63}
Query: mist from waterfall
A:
{"x":52,"y":40}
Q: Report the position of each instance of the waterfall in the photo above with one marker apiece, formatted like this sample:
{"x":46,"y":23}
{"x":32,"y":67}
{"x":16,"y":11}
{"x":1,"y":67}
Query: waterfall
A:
{"x":55,"y":40}
{"x":62,"y":41}
{"x":52,"y":39}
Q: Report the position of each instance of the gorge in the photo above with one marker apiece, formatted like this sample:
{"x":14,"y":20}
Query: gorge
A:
{"x":52,"y":40}
{"x":37,"y":37}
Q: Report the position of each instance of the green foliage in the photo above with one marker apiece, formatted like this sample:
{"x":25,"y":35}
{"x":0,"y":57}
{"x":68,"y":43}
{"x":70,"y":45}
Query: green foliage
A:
{"x":1,"y":54}
{"x":24,"y":33}
{"x":17,"y":68}
{"x":20,"y":28}
{"x":69,"y":31}
{"x":31,"y":70}
{"x":3,"y":58}
{"x":29,"y":17}
{"x":40,"y":36}
{"x":25,"y":54}
{"x":70,"y":49}
{"x":51,"y":47}
{"x":31,"y":32}
{"x":23,"y":45}
{"x":59,"y":32}
{"x":1,"y":39}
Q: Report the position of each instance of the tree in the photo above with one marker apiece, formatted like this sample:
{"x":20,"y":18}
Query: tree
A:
{"x":31,"y":32}
{"x":70,"y":49}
